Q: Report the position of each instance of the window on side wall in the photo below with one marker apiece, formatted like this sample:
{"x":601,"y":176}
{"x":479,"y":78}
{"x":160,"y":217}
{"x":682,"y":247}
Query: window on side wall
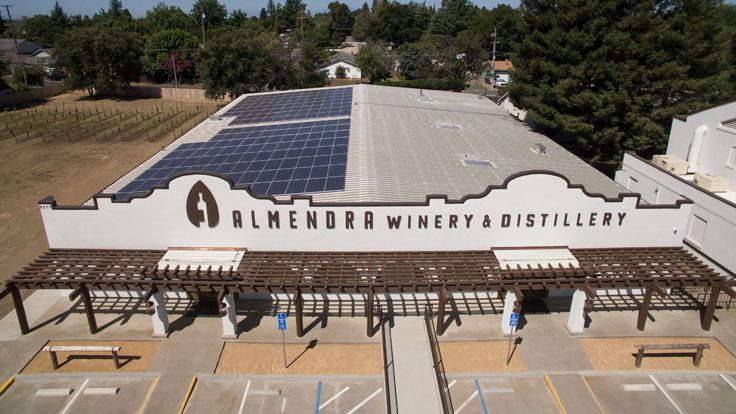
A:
{"x":696,"y":230}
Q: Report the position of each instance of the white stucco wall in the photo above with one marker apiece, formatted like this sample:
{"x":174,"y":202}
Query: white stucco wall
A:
{"x":711,"y":226}
{"x":534,"y":210}
{"x":718,"y":145}
{"x":351,"y":72}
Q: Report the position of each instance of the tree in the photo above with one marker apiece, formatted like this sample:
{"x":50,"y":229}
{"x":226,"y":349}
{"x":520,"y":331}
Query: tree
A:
{"x":34,"y":75}
{"x":602,"y":77}
{"x":452,"y":18}
{"x":163,"y":17}
{"x":360,"y":27}
{"x":58,"y":17}
{"x":291,"y":12}
{"x":215,"y":12}
{"x":509,"y":26}
{"x":102,"y":60}
{"x":373,"y":62}
{"x":341,"y":22}
{"x":116,"y":8}
{"x":397,"y":23}
{"x":238,"y":62}
{"x":340,"y":72}
{"x":238,"y":18}
{"x":158,"y":52}
{"x":415,"y":62}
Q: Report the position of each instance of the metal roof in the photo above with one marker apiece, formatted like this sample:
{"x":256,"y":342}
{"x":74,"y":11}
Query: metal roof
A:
{"x":406,"y":144}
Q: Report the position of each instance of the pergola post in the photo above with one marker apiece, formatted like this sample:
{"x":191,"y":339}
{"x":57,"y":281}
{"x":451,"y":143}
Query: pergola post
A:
{"x":159,"y":317}
{"x":87,"y":299}
{"x":299,"y":305}
{"x":710,"y":311}
{"x":576,"y":319}
{"x":228,"y":316}
{"x":441,"y":312}
{"x":644,"y":309}
{"x":508,"y":309}
{"x":369,"y":311}
{"x":20,"y":311}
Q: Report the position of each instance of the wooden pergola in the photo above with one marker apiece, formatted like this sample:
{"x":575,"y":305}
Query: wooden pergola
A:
{"x":653,"y":269}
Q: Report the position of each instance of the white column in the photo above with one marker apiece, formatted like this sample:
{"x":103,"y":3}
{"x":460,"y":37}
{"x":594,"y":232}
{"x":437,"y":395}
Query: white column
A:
{"x":229,"y":323}
{"x":159,"y":318}
{"x":576,"y":320}
{"x":508,"y":309}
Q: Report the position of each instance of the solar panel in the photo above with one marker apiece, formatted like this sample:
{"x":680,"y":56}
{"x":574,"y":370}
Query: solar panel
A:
{"x":302,"y":157}
{"x":319,"y":103}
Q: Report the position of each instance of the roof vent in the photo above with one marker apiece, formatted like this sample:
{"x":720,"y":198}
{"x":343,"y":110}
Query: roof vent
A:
{"x":448,"y":125}
{"x":478,"y":163}
{"x":426,"y":99}
{"x":539,"y":148}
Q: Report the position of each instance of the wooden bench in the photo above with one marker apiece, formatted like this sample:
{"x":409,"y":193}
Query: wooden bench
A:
{"x":52,"y":350}
{"x":698,"y":348}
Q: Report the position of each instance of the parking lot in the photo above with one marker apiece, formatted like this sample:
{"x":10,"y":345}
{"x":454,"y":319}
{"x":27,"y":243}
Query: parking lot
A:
{"x":77,"y":394}
{"x":231,"y":394}
{"x":595,"y":392}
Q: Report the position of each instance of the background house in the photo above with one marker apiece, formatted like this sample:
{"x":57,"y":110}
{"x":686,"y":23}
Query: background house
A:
{"x":502,"y":70}
{"x":345,"y":60}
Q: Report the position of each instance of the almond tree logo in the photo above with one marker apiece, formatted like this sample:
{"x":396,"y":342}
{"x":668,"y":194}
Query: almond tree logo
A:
{"x":201,"y":206}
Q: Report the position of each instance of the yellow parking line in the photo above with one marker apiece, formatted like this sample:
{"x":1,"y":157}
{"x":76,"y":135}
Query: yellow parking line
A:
{"x":189,"y":394}
{"x":7,"y":385}
{"x":595,"y":397}
{"x":148,"y":396}
{"x":554,"y":394}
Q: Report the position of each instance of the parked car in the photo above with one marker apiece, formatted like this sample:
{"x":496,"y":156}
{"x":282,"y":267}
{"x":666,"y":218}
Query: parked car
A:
{"x":500,"y":83}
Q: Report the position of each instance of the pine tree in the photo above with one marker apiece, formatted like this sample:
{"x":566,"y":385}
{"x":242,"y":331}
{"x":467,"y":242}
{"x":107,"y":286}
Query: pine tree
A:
{"x":606,"y":76}
{"x":360,"y":27}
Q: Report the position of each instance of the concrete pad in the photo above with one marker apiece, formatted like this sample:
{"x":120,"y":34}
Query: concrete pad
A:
{"x":574,"y":393}
{"x":416,"y":385}
{"x":193,"y":347}
{"x":715,"y":395}
{"x":613,"y":398}
{"x":530,"y":395}
{"x":553,"y":354}
{"x":23,"y":395}
{"x":35,"y":306}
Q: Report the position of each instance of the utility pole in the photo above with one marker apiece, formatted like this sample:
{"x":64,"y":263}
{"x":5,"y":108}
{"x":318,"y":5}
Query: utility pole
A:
{"x":301,"y":19}
{"x":173,"y":64}
{"x":15,"y":39}
{"x":493,"y":59}
{"x":202,"y":29}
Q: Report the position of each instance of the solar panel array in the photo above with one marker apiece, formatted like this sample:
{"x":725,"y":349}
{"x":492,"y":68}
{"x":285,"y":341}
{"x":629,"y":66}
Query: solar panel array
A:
{"x":273,"y":159}
{"x":318,"y":103}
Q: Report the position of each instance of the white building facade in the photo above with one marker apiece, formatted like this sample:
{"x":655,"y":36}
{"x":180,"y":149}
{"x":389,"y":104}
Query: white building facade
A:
{"x":700,"y":165}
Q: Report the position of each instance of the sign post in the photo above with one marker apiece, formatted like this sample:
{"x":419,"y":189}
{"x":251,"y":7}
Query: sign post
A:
{"x":513,"y":322}
{"x":282,"y":327}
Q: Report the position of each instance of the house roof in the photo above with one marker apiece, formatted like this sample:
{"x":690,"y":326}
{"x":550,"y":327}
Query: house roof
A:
{"x":403,"y":146}
{"x":26,"y":47}
{"x":500,"y":64}
{"x":341,"y":57}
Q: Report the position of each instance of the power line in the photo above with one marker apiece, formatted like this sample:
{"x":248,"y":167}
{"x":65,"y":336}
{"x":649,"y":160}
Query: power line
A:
{"x":15,"y":40}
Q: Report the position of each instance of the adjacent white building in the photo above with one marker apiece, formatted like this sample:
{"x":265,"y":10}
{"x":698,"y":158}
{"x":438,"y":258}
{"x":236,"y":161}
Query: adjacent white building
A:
{"x":347,"y":62}
{"x":700,"y":164}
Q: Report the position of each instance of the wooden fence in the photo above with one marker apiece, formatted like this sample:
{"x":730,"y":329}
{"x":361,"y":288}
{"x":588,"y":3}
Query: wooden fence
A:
{"x":32,"y":95}
{"x":166,"y":92}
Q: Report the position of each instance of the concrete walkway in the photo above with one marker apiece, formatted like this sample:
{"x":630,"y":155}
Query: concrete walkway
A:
{"x":416,"y":385}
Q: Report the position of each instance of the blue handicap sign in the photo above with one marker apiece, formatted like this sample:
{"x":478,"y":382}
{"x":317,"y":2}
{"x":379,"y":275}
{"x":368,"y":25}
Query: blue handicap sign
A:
{"x":282,"y":321}
{"x":514,"y":320}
